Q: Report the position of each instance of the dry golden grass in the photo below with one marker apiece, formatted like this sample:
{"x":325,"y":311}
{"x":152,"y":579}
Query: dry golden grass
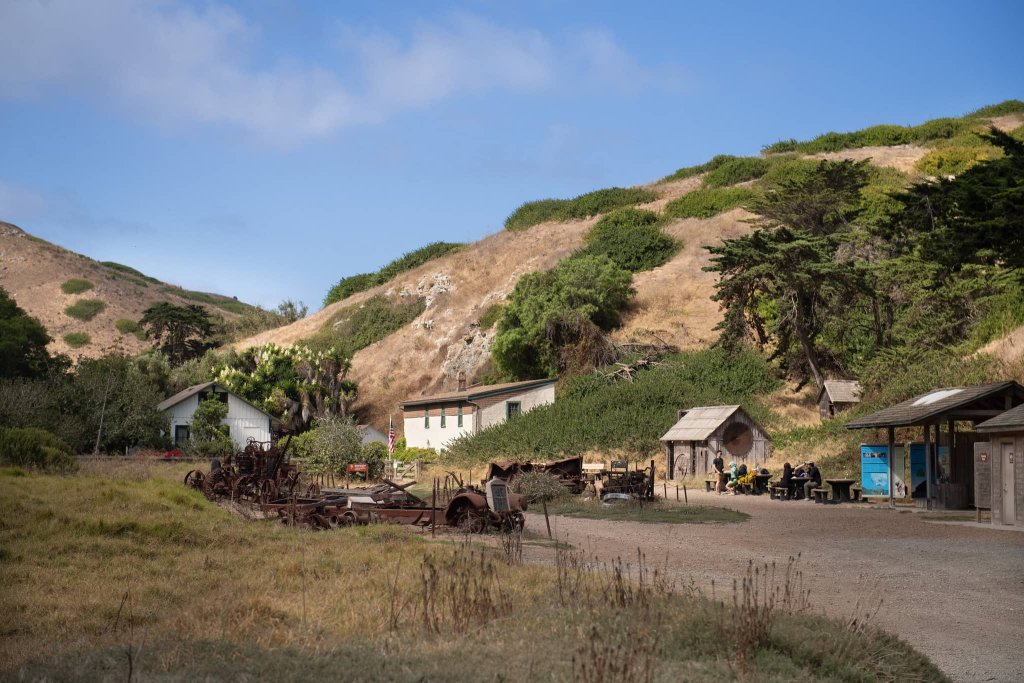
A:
{"x":674,"y":300}
{"x":33,"y":272}
{"x":109,"y":577}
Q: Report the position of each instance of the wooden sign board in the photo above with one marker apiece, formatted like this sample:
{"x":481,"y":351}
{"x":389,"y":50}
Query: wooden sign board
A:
{"x":358,"y":467}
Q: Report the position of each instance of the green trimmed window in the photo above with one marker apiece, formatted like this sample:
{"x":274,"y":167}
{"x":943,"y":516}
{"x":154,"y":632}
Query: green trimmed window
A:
{"x":426,"y":418}
{"x":460,"y":416}
{"x":442,"y":417}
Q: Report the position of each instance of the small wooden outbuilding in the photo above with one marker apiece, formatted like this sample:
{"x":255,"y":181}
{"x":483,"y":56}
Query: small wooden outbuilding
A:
{"x":837,"y":395}
{"x":1004,"y":448}
{"x":691,"y":443}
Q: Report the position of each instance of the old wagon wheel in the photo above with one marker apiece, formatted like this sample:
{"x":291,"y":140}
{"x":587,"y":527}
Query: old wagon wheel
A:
{"x":472,"y":522}
{"x":194,"y":479}
{"x":210,"y":483}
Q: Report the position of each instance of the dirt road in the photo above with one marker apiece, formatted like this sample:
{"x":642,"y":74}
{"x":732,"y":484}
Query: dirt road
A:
{"x":955,"y":592}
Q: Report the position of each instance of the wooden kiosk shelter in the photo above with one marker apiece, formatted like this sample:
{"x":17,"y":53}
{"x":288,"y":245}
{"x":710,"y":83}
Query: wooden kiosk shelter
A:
{"x":691,"y":443}
{"x":951,"y":407}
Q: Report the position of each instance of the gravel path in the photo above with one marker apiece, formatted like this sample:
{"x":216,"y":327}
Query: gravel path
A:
{"x":953,"y":591}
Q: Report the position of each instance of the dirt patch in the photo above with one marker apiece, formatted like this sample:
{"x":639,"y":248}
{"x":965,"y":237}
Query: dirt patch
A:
{"x":900,"y":157}
{"x":954,"y":592}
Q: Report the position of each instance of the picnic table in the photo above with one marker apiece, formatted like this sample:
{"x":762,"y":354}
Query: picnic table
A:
{"x":840,"y":489}
{"x":761,"y":483}
{"x":798,"y":486}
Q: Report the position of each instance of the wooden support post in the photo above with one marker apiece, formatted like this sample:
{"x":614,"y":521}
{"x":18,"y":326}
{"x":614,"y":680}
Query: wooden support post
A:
{"x":928,"y":467}
{"x":677,"y":494}
{"x":433,"y":510}
{"x":686,"y":498}
{"x":664,"y":486}
{"x":547,"y":521}
{"x":892,"y":456}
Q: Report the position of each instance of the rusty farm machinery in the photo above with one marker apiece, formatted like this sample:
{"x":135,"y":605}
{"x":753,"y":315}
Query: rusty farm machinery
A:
{"x":264,"y":476}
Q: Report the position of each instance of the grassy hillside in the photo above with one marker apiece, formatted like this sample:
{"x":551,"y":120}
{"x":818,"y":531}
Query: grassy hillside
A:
{"x":123,"y":572}
{"x":89,"y":307}
{"x":695,"y":206}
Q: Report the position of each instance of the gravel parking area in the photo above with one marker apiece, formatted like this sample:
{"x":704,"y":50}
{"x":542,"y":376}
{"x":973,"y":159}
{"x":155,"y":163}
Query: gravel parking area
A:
{"x":954,"y":591}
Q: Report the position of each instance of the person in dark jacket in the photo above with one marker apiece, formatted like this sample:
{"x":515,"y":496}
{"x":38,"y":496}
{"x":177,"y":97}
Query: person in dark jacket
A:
{"x":786,"y":481}
{"x":814,"y":473}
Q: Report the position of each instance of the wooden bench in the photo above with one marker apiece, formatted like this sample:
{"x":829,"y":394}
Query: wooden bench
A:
{"x":855,"y":495}
{"x":709,"y":485}
{"x":820,"y":495}
{"x":778,"y":492}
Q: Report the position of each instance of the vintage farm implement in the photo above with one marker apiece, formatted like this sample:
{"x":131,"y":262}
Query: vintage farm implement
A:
{"x":261,"y":472}
{"x":265,"y":477}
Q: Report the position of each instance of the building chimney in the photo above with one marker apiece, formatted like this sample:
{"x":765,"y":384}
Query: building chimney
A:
{"x":462,"y":381}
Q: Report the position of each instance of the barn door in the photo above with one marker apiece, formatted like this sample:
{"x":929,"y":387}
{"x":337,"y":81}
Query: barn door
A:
{"x":1009,"y":511}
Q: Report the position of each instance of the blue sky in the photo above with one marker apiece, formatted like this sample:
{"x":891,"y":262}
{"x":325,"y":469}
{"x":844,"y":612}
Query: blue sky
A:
{"x":266,"y":149}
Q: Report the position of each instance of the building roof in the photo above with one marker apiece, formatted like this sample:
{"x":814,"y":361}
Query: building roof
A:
{"x":369,"y":434}
{"x":476,"y":392}
{"x":841,"y":390}
{"x":195,"y":389}
{"x":952,"y":403}
{"x":699,"y":423}
{"x":1010,"y":421}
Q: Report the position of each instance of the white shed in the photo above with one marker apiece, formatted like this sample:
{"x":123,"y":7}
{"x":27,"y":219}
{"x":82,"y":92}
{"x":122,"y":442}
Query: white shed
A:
{"x":244,"y":420}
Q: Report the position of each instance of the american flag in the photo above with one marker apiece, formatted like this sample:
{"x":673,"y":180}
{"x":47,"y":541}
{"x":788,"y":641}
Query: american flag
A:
{"x":391,"y":437}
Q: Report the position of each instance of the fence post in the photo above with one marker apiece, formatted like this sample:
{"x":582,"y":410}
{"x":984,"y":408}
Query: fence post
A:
{"x":419,"y":468}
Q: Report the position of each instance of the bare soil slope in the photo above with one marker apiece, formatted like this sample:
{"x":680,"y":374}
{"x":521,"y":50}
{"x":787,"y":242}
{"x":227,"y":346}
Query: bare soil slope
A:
{"x":33,"y":270}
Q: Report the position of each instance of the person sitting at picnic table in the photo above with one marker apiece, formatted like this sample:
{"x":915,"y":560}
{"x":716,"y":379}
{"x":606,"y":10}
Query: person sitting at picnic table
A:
{"x":733,"y":478}
{"x":719,"y":472}
{"x":746,"y":477}
{"x":815,"y":482}
{"x":786,"y":482}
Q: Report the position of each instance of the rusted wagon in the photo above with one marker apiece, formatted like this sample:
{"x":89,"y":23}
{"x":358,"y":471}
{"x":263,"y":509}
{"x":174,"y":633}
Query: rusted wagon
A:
{"x":568,"y":470}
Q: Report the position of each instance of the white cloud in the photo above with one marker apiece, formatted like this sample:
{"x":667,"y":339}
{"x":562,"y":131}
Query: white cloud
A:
{"x":173,"y":63}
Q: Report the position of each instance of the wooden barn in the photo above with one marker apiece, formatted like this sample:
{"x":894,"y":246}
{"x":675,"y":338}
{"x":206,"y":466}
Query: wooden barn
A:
{"x":837,"y":395}
{"x":691,"y":443}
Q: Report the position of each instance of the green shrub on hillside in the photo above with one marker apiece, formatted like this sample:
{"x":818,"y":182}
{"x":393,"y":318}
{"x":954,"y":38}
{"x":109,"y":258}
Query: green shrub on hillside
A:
{"x":592,"y":413}
{"x":359,"y":325}
{"x":77,"y":340}
{"x":353,"y":284}
{"x":417,"y":258}
{"x":130,"y":273}
{"x":126,"y":326}
{"x":787,"y":168}
{"x":878,"y":197}
{"x":875,"y":136}
{"x":632,"y":239}
{"x":1001,"y":109}
{"x":36,"y":449}
{"x":690,"y":171}
{"x":736,"y":170}
{"x":708,"y":202}
{"x":491,"y":315}
{"x":555,"y":320}
{"x":952,"y":161}
{"x":76,"y":286}
{"x":85,"y":309}
{"x":583,"y":206}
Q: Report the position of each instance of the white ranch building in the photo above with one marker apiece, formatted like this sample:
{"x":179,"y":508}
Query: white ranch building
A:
{"x":244,"y":420}
{"x":433,"y":421}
